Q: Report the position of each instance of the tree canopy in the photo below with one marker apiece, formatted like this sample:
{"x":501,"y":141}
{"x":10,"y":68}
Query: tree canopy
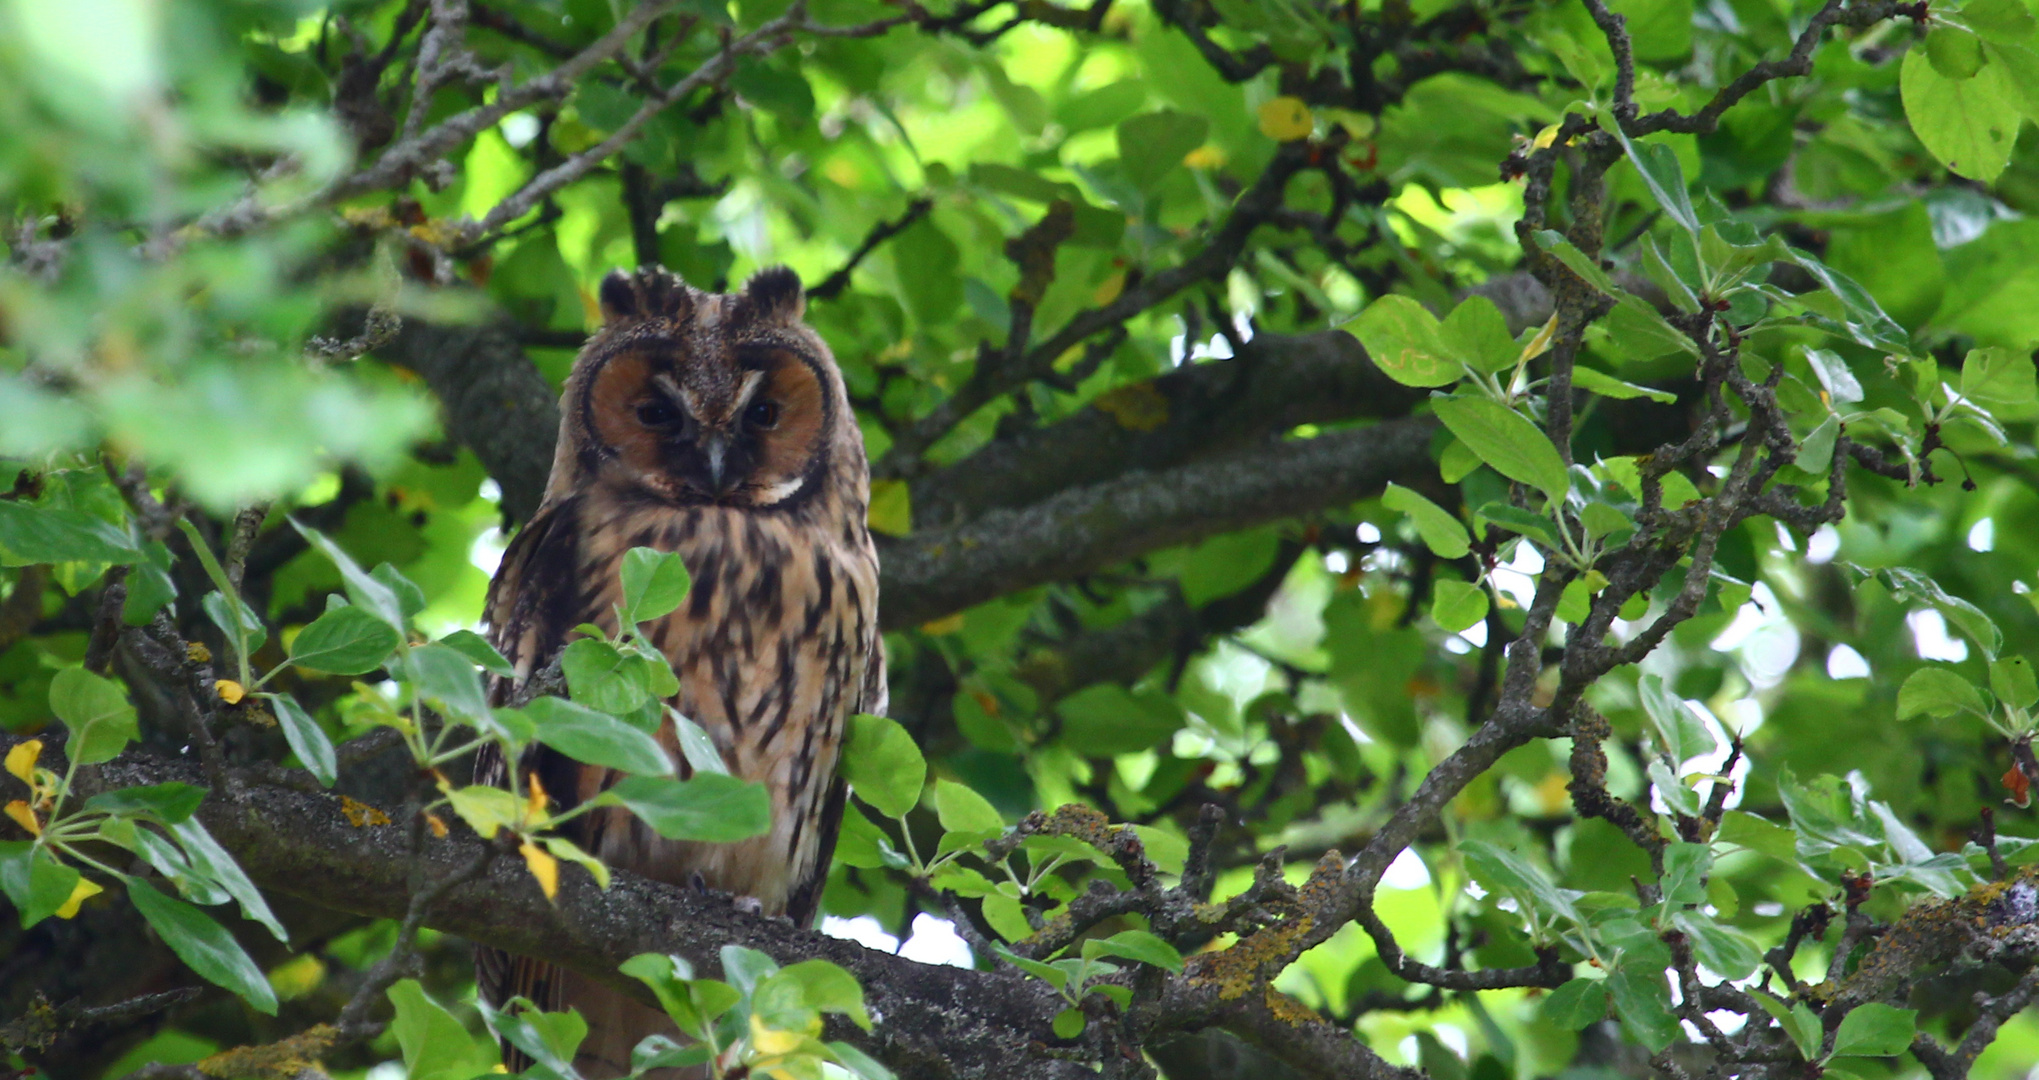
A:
{"x":1421,"y":538}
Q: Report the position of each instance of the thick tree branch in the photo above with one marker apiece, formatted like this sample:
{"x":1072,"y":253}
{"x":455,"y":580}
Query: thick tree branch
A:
{"x":1196,"y":411}
{"x":928,"y":575}
{"x":937,"y":1022}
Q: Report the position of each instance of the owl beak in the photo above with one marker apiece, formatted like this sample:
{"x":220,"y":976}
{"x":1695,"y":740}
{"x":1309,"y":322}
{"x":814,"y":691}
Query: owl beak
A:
{"x":717,"y":448}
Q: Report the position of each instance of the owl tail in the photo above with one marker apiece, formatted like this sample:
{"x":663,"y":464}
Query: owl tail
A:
{"x":616,"y":1022}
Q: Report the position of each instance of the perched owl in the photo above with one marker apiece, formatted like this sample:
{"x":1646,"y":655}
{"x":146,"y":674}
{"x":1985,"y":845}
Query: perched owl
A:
{"x":716,"y":426}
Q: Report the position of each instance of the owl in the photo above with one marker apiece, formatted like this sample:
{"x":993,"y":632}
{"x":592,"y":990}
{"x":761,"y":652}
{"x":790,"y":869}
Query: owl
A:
{"x":716,"y":426}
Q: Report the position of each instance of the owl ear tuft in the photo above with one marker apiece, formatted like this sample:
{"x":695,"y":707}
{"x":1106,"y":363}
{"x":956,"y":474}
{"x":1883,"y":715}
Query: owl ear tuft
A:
{"x":775,"y":294}
{"x":653,"y":292}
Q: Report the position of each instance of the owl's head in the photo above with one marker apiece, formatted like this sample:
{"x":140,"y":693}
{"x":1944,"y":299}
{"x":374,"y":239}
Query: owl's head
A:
{"x":694,"y":398}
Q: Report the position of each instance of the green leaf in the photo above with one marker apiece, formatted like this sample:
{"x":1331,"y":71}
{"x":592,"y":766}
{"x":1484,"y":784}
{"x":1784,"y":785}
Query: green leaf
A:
{"x":1506,"y":441}
{"x":668,"y":977}
{"x":1499,"y":868}
{"x":1721,"y":948}
{"x":696,"y":745}
{"x":827,"y":988}
{"x":1797,"y":1022}
{"x":710,"y":808}
{"x":1999,"y":20}
{"x":362,"y":587}
{"x":1521,"y":522}
{"x":961,"y":809}
{"x":96,"y":710}
{"x":477,"y":648}
{"x":1874,"y":1029}
{"x":1955,"y":53}
{"x":1938,"y":691}
{"x":35,"y":881}
{"x":862,"y":1066}
{"x":2011,"y":680}
{"x":1575,"y":1005}
{"x":1750,"y":831}
{"x":597,"y":738}
{"x":548,"y":1039}
{"x":39,"y":534}
{"x":1657,"y":164}
{"x":1968,"y":124}
{"x":1404,"y":340}
{"x":435,"y":1045}
{"x":1680,"y":732}
{"x":1107,"y":719}
{"x":1457,"y":605}
{"x":344,"y":641}
{"x":1138,"y":945}
{"x":654,"y":584}
{"x":1816,"y":450}
{"x":203,"y":945}
{"x":603,"y":677}
{"x":1577,"y":261}
{"x":1068,"y":1023}
{"x":1152,"y":145}
{"x":1055,"y":976}
{"x":1476,"y":335}
{"x":1643,"y":1003}
{"x":1998,"y":377}
{"x":409,"y":598}
{"x":1607,"y":386}
{"x":1910,"y":585}
{"x":236,"y":620}
{"x":862,"y":845}
{"x":1866,"y":322}
{"x":1685,"y":869}
{"x":1835,"y":376}
{"x":486,"y":809}
{"x":207,"y":857}
{"x":1441,"y":532}
{"x":448,"y":679}
{"x":883,"y":765}
{"x":307,"y":739}
{"x":169,"y":803}
{"x":567,"y":851}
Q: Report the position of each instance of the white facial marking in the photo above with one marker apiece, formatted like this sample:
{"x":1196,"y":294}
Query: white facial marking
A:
{"x":783,"y":490}
{"x":751,"y":381}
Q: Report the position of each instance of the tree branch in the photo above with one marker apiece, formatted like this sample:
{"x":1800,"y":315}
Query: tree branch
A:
{"x":928,"y":575}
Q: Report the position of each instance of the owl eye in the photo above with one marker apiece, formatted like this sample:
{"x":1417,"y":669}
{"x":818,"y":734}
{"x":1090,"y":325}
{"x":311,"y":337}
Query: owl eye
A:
{"x":657,"y":414}
{"x":762,"y":414}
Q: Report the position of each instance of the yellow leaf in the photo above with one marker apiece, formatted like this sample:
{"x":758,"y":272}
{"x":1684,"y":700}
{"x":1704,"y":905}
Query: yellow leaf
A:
{"x":1546,"y":137}
{"x":1204,"y":157}
{"x":81,"y":892}
{"x":1286,"y":119}
{"x":1109,"y":289}
{"x":197,"y":653}
{"x":437,"y":825}
{"x":24,"y":817}
{"x":947,"y":624}
{"x":891,"y":510}
{"x":543,"y":867}
{"x":535,"y":800}
{"x":1138,"y":407}
{"x":770,"y":1041}
{"x":1539,"y":344}
{"x":21,"y":760}
{"x":230,"y":691}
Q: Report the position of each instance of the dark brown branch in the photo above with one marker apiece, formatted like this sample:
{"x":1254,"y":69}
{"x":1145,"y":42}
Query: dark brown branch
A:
{"x":931,"y":574}
{"x":836,"y":282}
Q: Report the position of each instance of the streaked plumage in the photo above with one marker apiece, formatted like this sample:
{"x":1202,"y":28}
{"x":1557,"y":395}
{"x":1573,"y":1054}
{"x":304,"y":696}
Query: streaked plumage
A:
{"x":716,"y":426}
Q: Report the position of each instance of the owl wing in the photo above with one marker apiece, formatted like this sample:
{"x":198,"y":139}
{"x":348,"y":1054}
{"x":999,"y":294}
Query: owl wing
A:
{"x":803,"y":902}
{"x":528,"y":608}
